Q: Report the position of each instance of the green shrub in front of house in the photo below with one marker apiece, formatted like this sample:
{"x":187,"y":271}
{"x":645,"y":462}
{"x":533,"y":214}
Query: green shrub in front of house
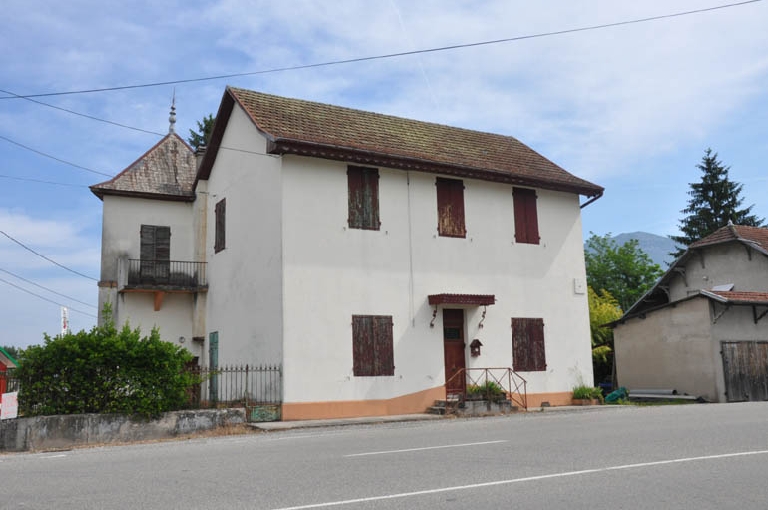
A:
{"x":104,"y":370}
{"x":583,"y":392}
{"x":489,"y":390}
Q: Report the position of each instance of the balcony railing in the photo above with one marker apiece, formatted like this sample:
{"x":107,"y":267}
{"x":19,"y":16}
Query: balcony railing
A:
{"x":176,"y":274}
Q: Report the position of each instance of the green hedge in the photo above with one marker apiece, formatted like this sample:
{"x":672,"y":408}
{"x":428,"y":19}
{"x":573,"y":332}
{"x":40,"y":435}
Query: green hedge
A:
{"x":105,"y":370}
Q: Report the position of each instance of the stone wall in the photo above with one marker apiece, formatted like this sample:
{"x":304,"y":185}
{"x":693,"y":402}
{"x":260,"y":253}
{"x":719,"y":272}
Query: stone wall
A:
{"x":66,"y":431}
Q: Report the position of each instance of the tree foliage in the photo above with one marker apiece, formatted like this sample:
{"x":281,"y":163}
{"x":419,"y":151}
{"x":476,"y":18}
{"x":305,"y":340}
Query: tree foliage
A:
{"x":626,"y":272}
{"x":714,"y":201}
{"x":603,"y":309}
{"x":202,"y":136}
{"x":105,"y":370}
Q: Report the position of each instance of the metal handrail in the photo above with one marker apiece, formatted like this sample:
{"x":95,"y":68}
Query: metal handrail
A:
{"x":175,"y":273}
{"x":514,"y":386}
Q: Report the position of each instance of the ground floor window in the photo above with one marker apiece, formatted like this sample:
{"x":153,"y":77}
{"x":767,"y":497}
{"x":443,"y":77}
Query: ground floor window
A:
{"x":372,"y":345}
{"x":528,"y":345}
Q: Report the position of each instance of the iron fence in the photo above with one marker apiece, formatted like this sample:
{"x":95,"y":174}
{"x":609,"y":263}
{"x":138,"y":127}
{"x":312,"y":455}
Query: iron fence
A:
{"x":8,"y":381}
{"x":175,"y":273}
{"x":491,"y":383}
{"x":237,"y":385}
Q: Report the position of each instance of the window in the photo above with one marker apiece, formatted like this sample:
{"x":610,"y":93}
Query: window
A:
{"x":526,"y":218}
{"x":363,"y":186}
{"x":450,"y":207}
{"x":155,"y":253}
{"x":220,"y":240}
{"x":372,"y":350}
{"x":528,"y":345}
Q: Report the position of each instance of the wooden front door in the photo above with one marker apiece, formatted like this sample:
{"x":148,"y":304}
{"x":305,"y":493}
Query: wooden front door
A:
{"x":453,"y":345}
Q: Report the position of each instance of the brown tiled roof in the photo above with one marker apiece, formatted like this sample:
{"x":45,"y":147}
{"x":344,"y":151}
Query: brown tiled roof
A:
{"x":295,"y":126}
{"x":165,"y":171}
{"x":730,"y":232}
{"x":743,"y":297}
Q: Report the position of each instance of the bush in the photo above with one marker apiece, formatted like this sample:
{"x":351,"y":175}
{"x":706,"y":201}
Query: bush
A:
{"x":587,"y":393}
{"x":488,"y":390}
{"x":104,"y":371}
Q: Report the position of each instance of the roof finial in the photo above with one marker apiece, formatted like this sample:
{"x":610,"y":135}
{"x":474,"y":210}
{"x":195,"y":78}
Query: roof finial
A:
{"x":172,"y":118}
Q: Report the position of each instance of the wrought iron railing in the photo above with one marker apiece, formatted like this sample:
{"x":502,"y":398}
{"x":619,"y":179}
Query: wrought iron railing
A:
{"x":171,"y":273}
{"x":491,"y":384}
{"x":233,"y":385}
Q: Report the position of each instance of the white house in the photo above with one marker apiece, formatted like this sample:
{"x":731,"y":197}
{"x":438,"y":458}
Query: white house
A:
{"x":366,"y":252}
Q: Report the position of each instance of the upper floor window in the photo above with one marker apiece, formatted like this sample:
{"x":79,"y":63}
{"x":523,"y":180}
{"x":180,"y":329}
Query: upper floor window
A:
{"x":372,"y":345}
{"x":528,"y":345}
{"x":155,"y":253}
{"x":363,"y":186}
{"x":220,"y":235}
{"x":526,"y":217}
{"x":450,"y":207}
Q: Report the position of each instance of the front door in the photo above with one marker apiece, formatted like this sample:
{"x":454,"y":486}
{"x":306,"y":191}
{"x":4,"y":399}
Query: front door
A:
{"x":453,"y":345}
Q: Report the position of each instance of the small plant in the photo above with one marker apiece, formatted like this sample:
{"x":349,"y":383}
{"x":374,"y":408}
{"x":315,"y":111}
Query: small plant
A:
{"x":489,"y":390}
{"x":583,"y":392}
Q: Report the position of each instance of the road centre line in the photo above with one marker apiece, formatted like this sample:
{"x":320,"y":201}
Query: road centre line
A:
{"x":525,"y":479}
{"x":424,"y":448}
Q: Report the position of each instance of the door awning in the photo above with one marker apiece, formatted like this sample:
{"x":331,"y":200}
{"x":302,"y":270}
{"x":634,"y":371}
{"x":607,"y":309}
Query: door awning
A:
{"x":462,"y":299}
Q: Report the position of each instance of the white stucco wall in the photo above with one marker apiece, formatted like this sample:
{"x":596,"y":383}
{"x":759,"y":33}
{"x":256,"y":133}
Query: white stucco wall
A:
{"x":121,"y":227}
{"x":672,"y":348}
{"x":244,"y":300}
{"x":332,"y":272}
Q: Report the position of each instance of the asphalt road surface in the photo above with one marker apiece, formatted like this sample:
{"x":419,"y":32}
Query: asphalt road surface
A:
{"x":699,"y":457}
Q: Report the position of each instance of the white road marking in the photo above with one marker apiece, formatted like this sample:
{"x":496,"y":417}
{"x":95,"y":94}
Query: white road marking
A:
{"x":424,"y":448}
{"x":525,"y":479}
{"x":54,"y":456}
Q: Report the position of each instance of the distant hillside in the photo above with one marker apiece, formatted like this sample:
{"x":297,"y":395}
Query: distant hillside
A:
{"x":657,"y":247}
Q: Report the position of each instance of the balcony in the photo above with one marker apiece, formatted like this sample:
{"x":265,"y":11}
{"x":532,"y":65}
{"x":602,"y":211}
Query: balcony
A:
{"x":161,"y":277}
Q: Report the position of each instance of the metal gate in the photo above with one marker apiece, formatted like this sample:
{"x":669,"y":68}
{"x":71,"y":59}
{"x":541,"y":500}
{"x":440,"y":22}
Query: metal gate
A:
{"x":745,"y":368}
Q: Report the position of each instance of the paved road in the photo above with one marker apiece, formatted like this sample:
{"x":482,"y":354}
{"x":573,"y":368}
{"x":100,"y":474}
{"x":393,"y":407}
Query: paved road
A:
{"x":683,"y":457}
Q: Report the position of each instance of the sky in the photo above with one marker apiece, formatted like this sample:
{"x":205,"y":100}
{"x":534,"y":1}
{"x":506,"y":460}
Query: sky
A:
{"x":631,"y":107}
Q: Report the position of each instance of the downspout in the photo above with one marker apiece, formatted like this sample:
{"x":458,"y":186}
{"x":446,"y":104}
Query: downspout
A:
{"x":594,"y":198}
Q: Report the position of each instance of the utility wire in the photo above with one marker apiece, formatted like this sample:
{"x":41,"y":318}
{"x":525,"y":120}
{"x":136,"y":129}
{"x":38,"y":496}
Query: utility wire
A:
{"x":389,"y":55}
{"x":46,"y":258}
{"x":53,"y":157}
{"x":3,"y":176}
{"x":80,"y":114}
{"x":46,"y":299}
{"x":46,"y":288}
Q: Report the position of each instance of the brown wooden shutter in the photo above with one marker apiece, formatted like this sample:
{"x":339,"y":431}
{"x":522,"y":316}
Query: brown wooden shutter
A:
{"x":526,"y":216}
{"x":221,"y":222}
{"x":384,"y":358}
{"x":528,"y":354}
{"x":362,"y":345}
{"x":450,"y":207}
{"x":363,"y":198}
{"x":147,"y":241}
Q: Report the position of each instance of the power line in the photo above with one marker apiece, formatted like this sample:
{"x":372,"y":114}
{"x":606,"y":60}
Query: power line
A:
{"x":46,"y":299}
{"x":80,"y":114}
{"x":2,"y":176}
{"x":388,"y":55}
{"x":46,"y":288}
{"x":46,"y":258}
{"x":53,"y":157}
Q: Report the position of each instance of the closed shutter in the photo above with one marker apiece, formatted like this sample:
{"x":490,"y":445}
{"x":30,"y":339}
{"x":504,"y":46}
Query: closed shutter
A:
{"x":220,"y":239}
{"x":528,"y":354}
{"x":372,"y":345}
{"x":450,"y":207}
{"x":526,"y":216}
{"x":363,"y":198}
{"x":155,"y":253}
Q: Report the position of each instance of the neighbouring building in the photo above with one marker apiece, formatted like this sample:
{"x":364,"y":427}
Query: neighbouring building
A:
{"x":364,"y":253}
{"x":702,"y":329}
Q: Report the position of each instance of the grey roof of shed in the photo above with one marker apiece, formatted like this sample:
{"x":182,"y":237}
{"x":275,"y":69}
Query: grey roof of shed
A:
{"x":166,"y":171}
{"x":306,"y":128}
